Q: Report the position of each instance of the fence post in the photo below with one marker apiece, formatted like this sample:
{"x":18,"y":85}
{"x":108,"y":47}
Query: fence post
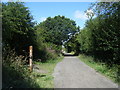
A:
{"x":30,"y":55}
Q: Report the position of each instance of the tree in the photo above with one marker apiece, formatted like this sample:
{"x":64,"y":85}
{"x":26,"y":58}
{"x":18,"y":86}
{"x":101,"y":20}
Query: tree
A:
{"x":17,"y":25}
{"x":58,"y":29}
{"x":101,"y":34}
{"x":107,"y":32}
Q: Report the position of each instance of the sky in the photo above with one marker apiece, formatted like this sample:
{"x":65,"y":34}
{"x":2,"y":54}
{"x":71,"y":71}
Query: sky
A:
{"x":73,"y":10}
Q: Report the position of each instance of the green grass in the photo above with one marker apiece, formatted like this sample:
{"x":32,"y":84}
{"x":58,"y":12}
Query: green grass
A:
{"x":45,"y":80}
{"x":102,"y":68}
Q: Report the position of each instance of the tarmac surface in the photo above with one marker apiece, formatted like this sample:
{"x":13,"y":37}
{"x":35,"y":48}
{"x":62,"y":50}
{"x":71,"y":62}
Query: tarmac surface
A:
{"x":73,"y":73}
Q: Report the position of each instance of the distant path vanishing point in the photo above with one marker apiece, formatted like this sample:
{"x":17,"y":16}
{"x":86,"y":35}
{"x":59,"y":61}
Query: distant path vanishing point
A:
{"x":73,"y":73}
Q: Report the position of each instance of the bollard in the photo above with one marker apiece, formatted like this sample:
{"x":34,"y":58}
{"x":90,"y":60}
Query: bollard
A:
{"x":30,"y":55}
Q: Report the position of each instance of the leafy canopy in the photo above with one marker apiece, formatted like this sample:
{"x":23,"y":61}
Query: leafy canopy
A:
{"x":58,"y":29}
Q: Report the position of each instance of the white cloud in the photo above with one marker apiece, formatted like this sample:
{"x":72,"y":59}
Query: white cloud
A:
{"x":80,"y":15}
{"x":42,"y":19}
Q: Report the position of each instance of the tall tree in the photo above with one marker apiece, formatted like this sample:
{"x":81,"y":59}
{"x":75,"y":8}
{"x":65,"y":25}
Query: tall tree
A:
{"x":58,"y":29}
{"x":17,"y":25}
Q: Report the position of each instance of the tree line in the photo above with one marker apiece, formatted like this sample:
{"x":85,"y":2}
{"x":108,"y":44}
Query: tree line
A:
{"x":100,"y":36}
{"x":47,"y":37}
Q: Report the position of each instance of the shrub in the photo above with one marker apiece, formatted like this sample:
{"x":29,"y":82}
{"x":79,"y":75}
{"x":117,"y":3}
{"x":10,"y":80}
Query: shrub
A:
{"x":15,"y":72}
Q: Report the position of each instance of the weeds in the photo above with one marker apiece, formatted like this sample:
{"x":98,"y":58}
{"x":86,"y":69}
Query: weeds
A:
{"x":15,"y":73}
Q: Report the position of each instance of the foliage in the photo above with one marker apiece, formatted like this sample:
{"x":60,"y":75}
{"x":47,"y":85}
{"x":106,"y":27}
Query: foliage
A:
{"x":73,"y":45}
{"x":14,"y":72}
{"x":52,"y":33}
{"x":84,"y":39}
{"x":43,"y":50}
{"x":100,"y":37}
{"x":57,"y":30}
{"x":17,"y":26}
{"x":19,"y":32}
{"x":17,"y":75}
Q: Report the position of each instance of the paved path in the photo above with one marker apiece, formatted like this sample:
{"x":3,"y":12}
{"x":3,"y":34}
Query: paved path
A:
{"x":72,"y":73}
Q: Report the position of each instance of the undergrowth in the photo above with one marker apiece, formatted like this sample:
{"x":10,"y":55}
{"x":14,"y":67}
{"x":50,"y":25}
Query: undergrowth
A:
{"x":16,"y":73}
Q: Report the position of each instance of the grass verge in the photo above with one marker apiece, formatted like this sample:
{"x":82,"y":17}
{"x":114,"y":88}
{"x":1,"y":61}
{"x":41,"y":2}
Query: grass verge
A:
{"x":45,"y":79}
{"x":102,"y":68}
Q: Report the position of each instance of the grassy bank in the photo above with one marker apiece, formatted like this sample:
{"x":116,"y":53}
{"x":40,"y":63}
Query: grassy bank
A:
{"x":102,"y":68}
{"x":43,"y":77}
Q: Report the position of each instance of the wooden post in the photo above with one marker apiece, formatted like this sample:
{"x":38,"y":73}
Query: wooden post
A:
{"x":30,"y":55}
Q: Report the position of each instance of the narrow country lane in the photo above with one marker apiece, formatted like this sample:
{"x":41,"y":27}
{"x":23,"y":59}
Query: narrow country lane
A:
{"x":73,"y":73}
